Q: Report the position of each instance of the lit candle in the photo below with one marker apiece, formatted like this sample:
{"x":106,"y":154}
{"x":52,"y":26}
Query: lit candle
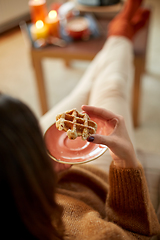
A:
{"x":39,"y":30}
{"x":38,"y":10}
{"x":52,"y":21}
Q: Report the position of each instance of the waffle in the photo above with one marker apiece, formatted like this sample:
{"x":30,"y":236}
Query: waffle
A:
{"x":76,"y":124}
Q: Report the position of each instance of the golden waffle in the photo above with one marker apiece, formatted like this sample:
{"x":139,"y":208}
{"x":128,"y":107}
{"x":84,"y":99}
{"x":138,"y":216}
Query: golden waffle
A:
{"x":76,"y":124}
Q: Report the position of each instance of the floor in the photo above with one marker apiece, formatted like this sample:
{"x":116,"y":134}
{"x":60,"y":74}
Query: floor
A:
{"x":17,"y":79}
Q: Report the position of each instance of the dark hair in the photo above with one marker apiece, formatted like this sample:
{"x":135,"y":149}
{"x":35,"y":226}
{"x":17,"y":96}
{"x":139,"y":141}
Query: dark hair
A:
{"x":27,"y":180}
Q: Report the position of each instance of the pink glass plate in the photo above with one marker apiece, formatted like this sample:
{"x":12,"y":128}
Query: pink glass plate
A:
{"x":62,"y":149}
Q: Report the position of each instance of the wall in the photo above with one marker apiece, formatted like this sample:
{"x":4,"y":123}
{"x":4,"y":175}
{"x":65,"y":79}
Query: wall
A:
{"x":14,"y":11}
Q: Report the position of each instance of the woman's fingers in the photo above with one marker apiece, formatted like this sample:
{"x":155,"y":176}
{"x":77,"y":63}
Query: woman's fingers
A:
{"x":98,"y":112}
{"x":100,"y":139}
{"x":95,"y":138}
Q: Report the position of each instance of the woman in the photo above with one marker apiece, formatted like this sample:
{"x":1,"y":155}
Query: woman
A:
{"x":83,"y":202}
{"x":82,"y":206}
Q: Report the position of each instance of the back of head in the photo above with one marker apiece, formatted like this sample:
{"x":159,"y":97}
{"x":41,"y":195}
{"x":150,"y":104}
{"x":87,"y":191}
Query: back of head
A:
{"x":27,"y":181}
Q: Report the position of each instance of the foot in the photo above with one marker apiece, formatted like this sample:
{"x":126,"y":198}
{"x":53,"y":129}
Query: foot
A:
{"x":129,"y":21}
{"x":130,"y":9}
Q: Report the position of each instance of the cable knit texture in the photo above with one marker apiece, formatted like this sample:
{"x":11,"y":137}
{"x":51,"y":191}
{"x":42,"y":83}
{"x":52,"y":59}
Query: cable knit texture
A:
{"x":100,"y":207}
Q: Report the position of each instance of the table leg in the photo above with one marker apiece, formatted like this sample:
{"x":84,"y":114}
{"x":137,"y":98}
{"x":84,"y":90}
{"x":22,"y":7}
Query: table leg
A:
{"x":139,"y":69}
{"x":39,"y":76}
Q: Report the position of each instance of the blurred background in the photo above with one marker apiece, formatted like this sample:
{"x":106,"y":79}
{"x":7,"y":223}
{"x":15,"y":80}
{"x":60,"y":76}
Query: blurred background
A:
{"x":17,"y":74}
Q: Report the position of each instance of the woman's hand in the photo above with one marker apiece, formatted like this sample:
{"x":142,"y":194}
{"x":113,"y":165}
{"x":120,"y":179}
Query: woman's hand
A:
{"x":116,"y":139}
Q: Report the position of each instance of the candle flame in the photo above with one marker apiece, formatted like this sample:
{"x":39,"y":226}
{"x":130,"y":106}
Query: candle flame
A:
{"x":52,"y":14}
{"x":39,"y":24}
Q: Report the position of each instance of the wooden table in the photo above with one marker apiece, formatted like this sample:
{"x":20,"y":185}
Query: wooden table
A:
{"x":82,"y":50}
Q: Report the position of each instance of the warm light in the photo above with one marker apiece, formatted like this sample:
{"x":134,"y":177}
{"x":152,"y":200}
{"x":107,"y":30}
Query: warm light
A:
{"x":39,"y":24}
{"x":52,"y":14}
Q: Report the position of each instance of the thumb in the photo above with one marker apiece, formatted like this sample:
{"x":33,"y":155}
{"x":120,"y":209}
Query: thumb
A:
{"x":99,"y":139}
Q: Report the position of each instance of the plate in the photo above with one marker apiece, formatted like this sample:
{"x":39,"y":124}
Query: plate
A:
{"x":61,"y":149}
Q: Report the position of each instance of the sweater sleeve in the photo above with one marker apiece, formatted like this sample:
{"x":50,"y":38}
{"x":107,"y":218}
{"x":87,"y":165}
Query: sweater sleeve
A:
{"x":128,"y":202}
